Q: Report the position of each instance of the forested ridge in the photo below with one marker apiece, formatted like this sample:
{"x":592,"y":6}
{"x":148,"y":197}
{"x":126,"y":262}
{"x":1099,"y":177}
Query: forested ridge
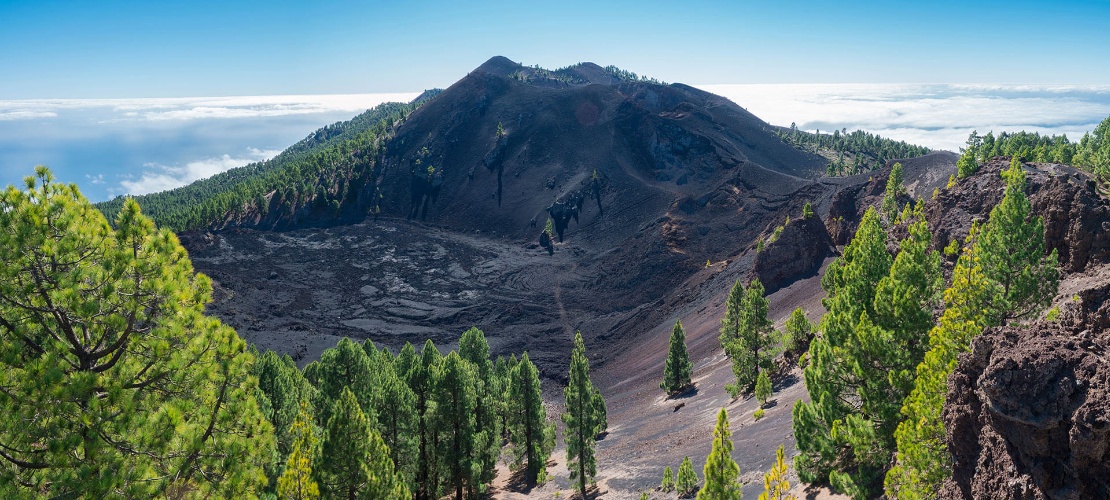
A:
{"x":850,"y":153}
{"x":1090,"y":153}
{"x":324,"y":172}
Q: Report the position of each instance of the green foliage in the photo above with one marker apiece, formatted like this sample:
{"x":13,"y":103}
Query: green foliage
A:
{"x":283,"y":392}
{"x":1013,"y":253}
{"x":894,"y":190}
{"x":807,"y":211}
{"x":759,"y":246}
{"x":296,"y":482}
{"x":456,"y":403}
{"x":863,"y":366}
{"x":355,"y":462}
{"x":1053,"y":315}
{"x":676,"y":373}
{"x":775,"y":234}
{"x":758,"y":413}
{"x":745,"y":332}
{"x":394,"y":404}
{"x":347,"y":367}
{"x":1091,"y":153}
{"x":115,"y":383}
{"x":306,"y":175}
{"x":581,"y":417}
{"x":851,"y":153}
{"x":486,"y":445}
{"x":1002,"y":274}
{"x":423,"y":379}
{"x":762,"y":388}
{"x":668,"y":480}
{"x":798,"y":332}
{"x":528,"y":419}
{"x":775,"y":485}
{"x":549,"y":229}
{"x":967,"y":164}
{"x":722,"y":475}
{"x":687,"y":481}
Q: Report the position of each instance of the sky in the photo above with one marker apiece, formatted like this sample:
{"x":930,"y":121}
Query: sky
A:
{"x":89,"y":88}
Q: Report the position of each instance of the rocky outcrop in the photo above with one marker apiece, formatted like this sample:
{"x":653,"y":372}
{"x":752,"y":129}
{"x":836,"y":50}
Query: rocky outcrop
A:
{"x":1076,"y":217}
{"x":796,"y":253}
{"x":1028,"y":414}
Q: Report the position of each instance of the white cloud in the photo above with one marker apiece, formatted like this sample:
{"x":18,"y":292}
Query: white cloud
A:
{"x":23,"y":114}
{"x":935,"y":115}
{"x":97,"y":179}
{"x":162,"y":177}
{"x":193,"y":108}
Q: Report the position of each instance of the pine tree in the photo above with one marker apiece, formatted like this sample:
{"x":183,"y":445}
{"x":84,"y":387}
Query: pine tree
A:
{"x":394,"y":404}
{"x":423,"y":379}
{"x":863,"y":367}
{"x":345,"y":367}
{"x":894,"y":190}
{"x":296,"y":482}
{"x":687,"y":481}
{"x":676,"y":373}
{"x":722,"y":475}
{"x":486,"y":445}
{"x":456,"y":402}
{"x":527,"y":419}
{"x":115,"y":383}
{"x":581,"y":417}
{"x":775,"y":485}
{"x":1002,"y":274}
{"x":1013,"y":253}
{"x":923,"y":461}
{"x":668,"y":480}
{"x":762,"y":388}
{"x":283,"y":390}
{"x":354,"y":461}
{"x":745,"y":333}
{"x":799,"y":332}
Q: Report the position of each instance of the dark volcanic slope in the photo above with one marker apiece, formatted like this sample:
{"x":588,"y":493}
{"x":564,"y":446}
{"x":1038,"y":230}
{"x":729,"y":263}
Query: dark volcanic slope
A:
{"x":646,"y":183}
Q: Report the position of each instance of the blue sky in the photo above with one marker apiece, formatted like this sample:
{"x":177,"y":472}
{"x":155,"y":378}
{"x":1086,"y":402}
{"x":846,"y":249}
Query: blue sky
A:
{"x":112,"y":49}
{"x":134,"y":97}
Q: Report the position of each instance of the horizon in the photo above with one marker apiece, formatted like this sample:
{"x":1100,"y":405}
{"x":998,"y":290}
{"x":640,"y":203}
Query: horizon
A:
{"x":214,"y":85}
{"x":114,"y":147}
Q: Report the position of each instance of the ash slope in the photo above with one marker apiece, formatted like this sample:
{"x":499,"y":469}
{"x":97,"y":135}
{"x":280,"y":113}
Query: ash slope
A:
{"x":647,"y":184}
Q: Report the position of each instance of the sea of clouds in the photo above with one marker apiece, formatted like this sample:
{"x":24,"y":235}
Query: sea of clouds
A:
{"x":936,"y":116}
{"x":114,"y":147}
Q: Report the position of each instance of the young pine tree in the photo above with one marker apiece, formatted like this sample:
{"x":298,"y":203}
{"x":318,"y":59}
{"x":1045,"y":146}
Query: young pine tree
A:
{"x":775,"y":485}
{"x":799,"y":332}
{"x":722,"y":475}
{"x":894,"y":190}
{"x":687,"y":481}
{"x":296,"y":482}
{"x":668,"y":480}
{"x":762,"y":388}
{"x":527,"y":419}
{"x":581,"y":417}
{"x":1013,"y":253}
{"x":745,"y":333}
{"x":676,"y":373}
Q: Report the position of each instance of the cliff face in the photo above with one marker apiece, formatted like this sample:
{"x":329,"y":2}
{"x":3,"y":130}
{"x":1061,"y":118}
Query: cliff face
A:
{"x":1028,"y":415}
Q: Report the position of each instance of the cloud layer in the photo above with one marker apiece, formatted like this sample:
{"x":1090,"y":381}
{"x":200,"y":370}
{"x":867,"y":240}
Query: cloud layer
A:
{"x":155,"y":177}
{"x":197,"y":108}
{"x":937,"y":116}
